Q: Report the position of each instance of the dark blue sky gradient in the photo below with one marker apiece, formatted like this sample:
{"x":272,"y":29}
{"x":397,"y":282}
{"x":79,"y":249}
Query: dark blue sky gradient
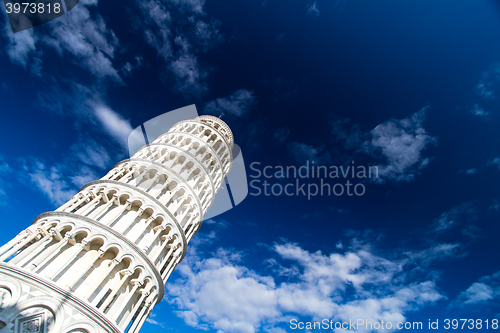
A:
{"x":359,"y":63}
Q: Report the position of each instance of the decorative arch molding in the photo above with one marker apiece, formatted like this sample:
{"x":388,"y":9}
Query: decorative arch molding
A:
{"x":160,"y":207}
{"x":59,"y":296}
{"x":15,"y":289}
{"x":180,"y":150}
{"x":192,"y":137}
{"x":80,"y":327}
{"x":140,"y":254}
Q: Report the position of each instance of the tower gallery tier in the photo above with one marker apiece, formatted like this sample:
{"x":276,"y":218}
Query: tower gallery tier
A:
{"x":99,"y":262}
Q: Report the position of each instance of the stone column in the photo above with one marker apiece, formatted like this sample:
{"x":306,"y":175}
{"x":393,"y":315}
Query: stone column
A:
{"x":104,"y":275}
{"x":135,"y":307}
{"x":116,"y":311}
{"x":49,"y":253}
{"x":114,"y":289}
{"x":19,"y":245}
{"x":64,"y":265}
{"x":83,"y":270}
{"x":43,"y":241}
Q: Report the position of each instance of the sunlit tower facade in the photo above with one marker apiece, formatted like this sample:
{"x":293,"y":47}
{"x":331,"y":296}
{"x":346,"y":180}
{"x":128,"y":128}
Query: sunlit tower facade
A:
{"x":99,"y":263}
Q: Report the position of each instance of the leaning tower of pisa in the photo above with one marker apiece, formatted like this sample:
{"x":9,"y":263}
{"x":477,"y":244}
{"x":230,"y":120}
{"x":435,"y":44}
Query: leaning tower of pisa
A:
{"x":99,"y":262}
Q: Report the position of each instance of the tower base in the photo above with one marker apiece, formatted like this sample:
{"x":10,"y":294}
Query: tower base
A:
{"x":31,"y":304}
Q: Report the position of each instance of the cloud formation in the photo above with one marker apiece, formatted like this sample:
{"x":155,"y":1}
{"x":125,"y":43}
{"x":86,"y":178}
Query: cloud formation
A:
{"x":222,"y":293}
{"x":454,"y":217}
{"x":485,"y":290}
{"x":237,"y":104}
{"x":179,"y":31}
{"x":51,"y":182}
{"x":114,"y":124}
{"x":85,"y":162}
{"x":20,"y":46}
{"x":400,"y":143}
{"x":479,"y":111}
{"x":396,"y":144}
{"x":489,"y":83}
{"x":80,"y":35}
{"x":313,"y":9}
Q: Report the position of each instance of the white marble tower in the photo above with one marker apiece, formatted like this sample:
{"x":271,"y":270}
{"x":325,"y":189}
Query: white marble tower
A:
{"x":99,"y":263}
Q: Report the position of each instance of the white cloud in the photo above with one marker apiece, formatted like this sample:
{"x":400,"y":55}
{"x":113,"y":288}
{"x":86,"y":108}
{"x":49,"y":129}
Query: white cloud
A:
{"x":83,"y":163}
{"x":425,"y":257}
{"x":237,"y":104}
{"x":195,"y":6}
{"x":151,"y":320}
{"x":479,"y":111}
{"x":20,"y":46}
{"x":87,"y":38}
{"x":483,"y":291}
{"x":227,"y":296}
{"x":51,"y":182}
{"x":230,"y":297}
{"x":113,"y":123}
{"x":400,"y":143}
{"x":91,"y":153}
{"x":83,"y":176}
{"x":79,"y":34}
{"x":477,"y":292}
{"x":189,"y":76}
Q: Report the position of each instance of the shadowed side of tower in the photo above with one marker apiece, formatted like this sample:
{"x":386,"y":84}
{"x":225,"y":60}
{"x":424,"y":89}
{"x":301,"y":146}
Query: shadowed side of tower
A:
{"x":99,"y":262}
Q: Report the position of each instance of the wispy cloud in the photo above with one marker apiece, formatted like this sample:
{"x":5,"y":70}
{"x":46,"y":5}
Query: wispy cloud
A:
{"x":152,"y":321}
{"x":489,"y":83}
{"x":495,"y":161}
{"x":115,"y":125}
{"x":237,"y":104}
{"x":400,"y":143}
{"x":479,"y":111}
{"x":281,"y":135}
{"x":179,"y":31}
{"x":471,"y":171}
{"x":91,"y":153}
{"x":302,"y":152}
{"x":495,"y":206}
{"x":189,"y":76}
{"x":453,"y":217}
{"x":50,"y":181}
{"x":87,"y":38}
{"x":313,"y":9}
{"x":485,"y":290}
{"x":78,"y":34}
{"x":21,"y":48}
{"x":396,"y":144}
{"x":85,"y":161}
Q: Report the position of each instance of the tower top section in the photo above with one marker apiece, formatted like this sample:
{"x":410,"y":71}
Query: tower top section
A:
{"x":220,"y":126}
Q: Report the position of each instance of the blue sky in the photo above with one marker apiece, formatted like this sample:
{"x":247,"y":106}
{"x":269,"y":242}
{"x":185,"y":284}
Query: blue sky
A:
{"x":410,"y":87}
